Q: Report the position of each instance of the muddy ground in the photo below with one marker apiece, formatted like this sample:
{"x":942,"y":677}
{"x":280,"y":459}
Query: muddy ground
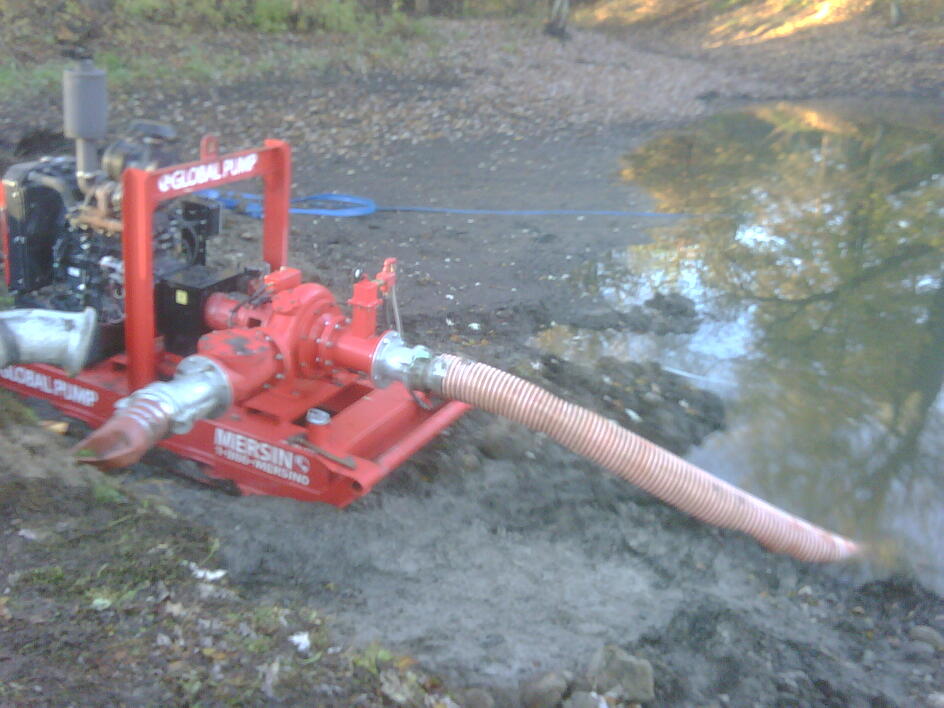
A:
{"x":493,"y":557}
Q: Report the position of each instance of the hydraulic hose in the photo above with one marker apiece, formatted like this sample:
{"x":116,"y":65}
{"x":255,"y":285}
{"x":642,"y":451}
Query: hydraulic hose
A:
{"x":631,"y":457}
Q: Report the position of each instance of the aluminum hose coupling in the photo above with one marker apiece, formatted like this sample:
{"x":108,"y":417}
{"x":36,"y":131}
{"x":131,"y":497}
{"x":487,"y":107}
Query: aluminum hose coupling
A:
{"x":200,"y":389}
{"x":417,"y":368}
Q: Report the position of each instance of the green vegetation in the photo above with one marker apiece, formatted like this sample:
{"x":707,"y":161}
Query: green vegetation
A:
{"x":118,"y":588}
{"x":13,"y":412}
{"x":196,"y":42}
{"x":44,"y":575}
{"x":104,"y":492}
{"x":911,"y":11}
{"x":345,"y":16}
{"x":725,"y":5}
{"x":133,"y":562}
{"x":18,"y":79}
{"x":372,"y":658}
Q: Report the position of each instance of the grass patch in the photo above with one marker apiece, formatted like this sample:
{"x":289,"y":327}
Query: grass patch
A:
{"x":19,"y":80}
{"x":334,"y":16}
{"x":206,"y":42}
{"x":44,"y":576}
{"x":104,"y":492}
{"x":727,"y":5}
{"x":195,"y":41}
{"x":133,"y":562}
{"x":13,"y":412}
{"x":915,"y":11}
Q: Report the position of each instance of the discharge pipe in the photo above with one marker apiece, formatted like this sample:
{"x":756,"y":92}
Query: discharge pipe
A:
{"x":33,"y":336}
{"x":200,"y":389}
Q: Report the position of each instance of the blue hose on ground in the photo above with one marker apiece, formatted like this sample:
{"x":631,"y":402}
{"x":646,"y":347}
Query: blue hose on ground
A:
{"x":351,"y":205}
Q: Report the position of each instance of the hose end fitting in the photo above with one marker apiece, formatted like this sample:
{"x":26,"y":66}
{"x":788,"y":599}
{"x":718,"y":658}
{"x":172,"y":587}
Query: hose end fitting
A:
{"x":417,"y":368}
{"x":200,"y":389}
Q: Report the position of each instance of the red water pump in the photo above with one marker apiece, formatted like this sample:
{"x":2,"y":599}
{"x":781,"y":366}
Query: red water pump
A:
{"x":299,"y":388}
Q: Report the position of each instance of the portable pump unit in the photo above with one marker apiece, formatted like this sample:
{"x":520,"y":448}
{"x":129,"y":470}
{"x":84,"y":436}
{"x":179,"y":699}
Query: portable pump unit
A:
{"x":303,"y":405}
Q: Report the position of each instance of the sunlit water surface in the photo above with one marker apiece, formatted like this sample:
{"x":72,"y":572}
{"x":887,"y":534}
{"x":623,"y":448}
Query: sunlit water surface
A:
{"x":822,"y":294}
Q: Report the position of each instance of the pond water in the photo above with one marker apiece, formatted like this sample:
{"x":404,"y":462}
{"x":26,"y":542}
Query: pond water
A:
{"x":821,"y":288}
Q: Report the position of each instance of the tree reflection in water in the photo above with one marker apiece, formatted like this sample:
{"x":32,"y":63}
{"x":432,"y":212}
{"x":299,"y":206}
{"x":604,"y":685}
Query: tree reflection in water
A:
{"x":835,"y":267}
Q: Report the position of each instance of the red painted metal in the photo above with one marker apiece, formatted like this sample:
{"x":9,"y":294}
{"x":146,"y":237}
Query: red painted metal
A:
{"x":294,"y":352}
{"x":209,"y":147}
{"x":4,"y":236}
{"x":369,"y":437}
{"x":136,"y":244}
{"x":143,"y":190}
{"x":300,"y":334}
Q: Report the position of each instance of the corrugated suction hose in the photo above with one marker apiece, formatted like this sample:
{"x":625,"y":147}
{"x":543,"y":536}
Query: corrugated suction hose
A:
{"x":658,"y":471}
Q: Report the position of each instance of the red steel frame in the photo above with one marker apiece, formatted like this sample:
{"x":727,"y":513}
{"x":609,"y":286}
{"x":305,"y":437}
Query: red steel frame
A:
{"x":372,"y":430}
{"x":4,"y":236}
{"x":142,"y":194}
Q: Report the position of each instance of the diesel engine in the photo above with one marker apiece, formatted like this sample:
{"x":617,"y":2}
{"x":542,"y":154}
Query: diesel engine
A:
{"x":62,"y":243}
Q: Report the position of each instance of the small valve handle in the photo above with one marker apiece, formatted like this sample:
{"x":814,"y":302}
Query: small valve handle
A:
{"x":386,"y":279}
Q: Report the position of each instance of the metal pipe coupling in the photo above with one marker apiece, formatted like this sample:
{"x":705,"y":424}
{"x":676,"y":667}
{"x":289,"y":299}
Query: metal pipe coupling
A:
{"x":200,"y":389}
{"x":417,"y":367}
{"x":32,"y":336}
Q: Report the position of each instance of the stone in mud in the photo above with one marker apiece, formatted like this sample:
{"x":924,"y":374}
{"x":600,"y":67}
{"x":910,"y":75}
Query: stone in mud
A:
{"x":502,"y":440}
{"x":613,"y":670}
{"x":919,"y":651}
{"x":673,"y":305}
{"x":546,"y":691}
{"x":636,"y":320}
{"x":477,"y":698}
{"x":469,"y":460}
{"x":585,"y":699}
{"x":928,"y":635}
{"x":672,"y":313}
{"x":657,"y":404}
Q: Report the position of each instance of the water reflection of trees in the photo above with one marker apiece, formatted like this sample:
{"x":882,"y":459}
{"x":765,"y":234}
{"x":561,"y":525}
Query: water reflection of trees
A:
{"x":838,"y":249}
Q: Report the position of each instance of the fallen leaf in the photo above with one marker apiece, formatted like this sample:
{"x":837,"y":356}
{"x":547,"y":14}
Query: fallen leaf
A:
{"x":214,"y":654}
{"x":59,"y":427}
{"x":405,"y":662}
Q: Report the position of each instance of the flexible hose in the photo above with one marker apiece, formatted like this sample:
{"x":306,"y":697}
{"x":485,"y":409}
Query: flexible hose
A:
{"x":658,"y":471}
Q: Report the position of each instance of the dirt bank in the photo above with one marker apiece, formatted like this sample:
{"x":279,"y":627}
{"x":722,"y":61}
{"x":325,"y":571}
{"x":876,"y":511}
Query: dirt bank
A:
{"x":494,"y":557}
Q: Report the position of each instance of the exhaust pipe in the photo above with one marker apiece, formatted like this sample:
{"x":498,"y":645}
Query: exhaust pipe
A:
{"x":85,"y":116}
{"x":62,"y":339}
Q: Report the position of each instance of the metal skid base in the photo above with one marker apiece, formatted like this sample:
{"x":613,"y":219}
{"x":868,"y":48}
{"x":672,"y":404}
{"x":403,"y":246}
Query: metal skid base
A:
{"x":265,"y":445}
